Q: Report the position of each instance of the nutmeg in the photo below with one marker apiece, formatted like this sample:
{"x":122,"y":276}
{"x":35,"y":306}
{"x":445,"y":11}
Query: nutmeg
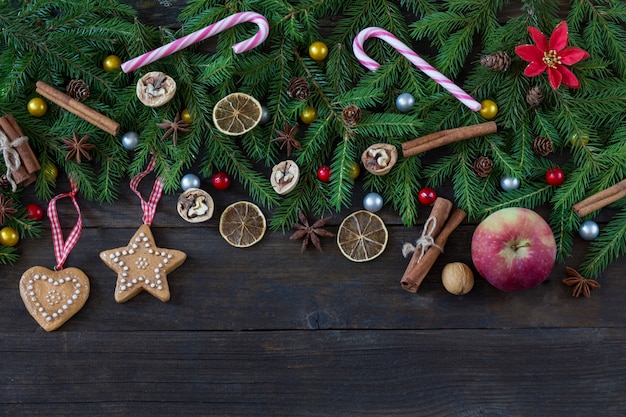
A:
{"x":457,"y":278}
{"x":285,"y":176}
{"x":155,"y":89}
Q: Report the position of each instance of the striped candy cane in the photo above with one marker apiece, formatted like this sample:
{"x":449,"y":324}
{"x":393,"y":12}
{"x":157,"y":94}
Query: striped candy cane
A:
{"x":203,"y":34}
{"x":402,"y":48}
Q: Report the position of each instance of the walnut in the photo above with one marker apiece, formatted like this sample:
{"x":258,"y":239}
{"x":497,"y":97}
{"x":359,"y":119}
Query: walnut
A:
{"x":457,"y":278}
{"x":285,"y":176}
{"x":155,"y":89}
{"x":379,"y":158}
{"x":195,"y":205}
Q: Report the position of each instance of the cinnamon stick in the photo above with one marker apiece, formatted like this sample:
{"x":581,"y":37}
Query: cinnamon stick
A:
{"x":79,"y":109}
{"x":13,"y":132}
{"x":445,"y":137}
{"x":416,"y":272}
{"x":600,"y":199}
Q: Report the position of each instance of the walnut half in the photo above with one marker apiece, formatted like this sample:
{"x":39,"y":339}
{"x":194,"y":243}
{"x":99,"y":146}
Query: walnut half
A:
{"x":380,"y":158}
{"x":155,"y":89}
{"x":195,"y":205}
{"x":285,"y":176}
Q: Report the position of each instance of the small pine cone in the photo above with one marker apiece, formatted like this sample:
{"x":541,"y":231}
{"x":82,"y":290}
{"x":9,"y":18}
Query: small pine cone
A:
{"x":482,"y":166}
{"x":542,"y":145}
{"x":298,"y":88}
{"x":78,"y":90}
{"x":498,"y":61}
{"x":4,"y":181}
{"x":534,"y":97}
{"x":351,"y":115}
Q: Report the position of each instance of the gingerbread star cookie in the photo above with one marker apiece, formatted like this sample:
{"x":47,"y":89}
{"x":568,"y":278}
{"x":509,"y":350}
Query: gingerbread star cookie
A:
{"x":142,"y":266}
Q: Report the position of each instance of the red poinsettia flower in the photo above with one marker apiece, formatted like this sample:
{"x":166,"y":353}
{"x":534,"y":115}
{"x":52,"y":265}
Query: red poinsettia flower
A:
{"x":551,"y":56}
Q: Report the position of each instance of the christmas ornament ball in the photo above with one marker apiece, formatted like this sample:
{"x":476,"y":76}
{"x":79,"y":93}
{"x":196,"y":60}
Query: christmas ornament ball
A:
{"x":111,"y":63}
{"x":9,"y":236}
{"x":353,"y":170}
{"x":323,"y":173}
{"x":405,"y":102}
{"x":189,"y":181}
{"x":185,"y":116}
{"x":130,"y":140}
{"x":509,"y":183}
{"x":221,"y":181}
{"x":50,"y":172}
{"x":318,"y":51}
{"x":373,"y":202}
{"x":308,"y":115}
{"x":488,"y":109}
{"x":589,"y":230}
{"x":34,"y":212}
{"x":37,"y":106}
{"x":579,"y":140}
{"x":457,"y":278}
{"x":265,"y":115}
{"x":555,"y":176}
{"x":427,"y":196}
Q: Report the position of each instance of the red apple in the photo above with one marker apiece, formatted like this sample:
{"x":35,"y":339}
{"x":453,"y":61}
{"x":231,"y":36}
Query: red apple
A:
{"x":514,"y":249}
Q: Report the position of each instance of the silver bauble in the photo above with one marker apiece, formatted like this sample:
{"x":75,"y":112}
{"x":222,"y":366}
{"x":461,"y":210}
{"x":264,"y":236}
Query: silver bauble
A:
{"x":130,"y":140}
{"x":189,"y":181}
{"x":509,"y":183}
{"x":373,"y":202}
{"x":405,"y":102}
{"x":589,"y":230}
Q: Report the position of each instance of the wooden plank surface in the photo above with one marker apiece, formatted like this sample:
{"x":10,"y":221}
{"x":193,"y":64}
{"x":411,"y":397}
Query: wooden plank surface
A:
{"x":269,"y":331}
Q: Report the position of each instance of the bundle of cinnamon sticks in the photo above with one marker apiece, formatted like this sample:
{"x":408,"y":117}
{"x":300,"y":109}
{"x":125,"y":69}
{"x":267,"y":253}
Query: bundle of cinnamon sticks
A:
{"x":600,"y":199}
{"x":441,"y":223}
{"x":76,"y":107}
{"x":25,"y":174}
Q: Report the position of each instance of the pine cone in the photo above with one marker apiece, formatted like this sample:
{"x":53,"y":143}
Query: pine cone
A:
{"x":498,"y":61}
{"x":298,"y":88}
{"x":482,"y":166}
{"x":4,"y":181}
{"x":534,"y":97}
{"x":78,"y":90}
{"x":542,"y":145}
{"x":351,"y":115}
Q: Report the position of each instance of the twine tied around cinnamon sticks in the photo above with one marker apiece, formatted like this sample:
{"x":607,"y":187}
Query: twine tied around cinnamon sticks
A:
{"x":445,"y":137}
{"x":444,"y":222}
{"x":424,"y":242}
{"x":600,"y":199}
{"x":19,"y":158}
{"x":11,"y":157}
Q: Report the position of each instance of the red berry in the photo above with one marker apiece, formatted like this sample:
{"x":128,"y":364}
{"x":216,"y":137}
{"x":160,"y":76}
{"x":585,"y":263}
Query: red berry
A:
{"x":34,"y":212}
{"x":427,"y":196}
{"x":555,"y":176}
{"x":323,"y":173}
{"x":221,"y":181}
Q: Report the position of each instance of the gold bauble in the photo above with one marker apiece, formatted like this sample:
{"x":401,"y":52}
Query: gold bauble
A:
{"x":318,"y":51}
{"x":37,"y":106}
{"x":111,"y":63}
{"x":9,"y":236}
{"x":488,"y":109}
{"x":308,"y":115}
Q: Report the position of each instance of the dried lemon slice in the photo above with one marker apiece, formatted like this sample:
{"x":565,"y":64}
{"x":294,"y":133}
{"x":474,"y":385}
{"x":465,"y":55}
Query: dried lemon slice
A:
{"x":362,"y":236}
{"x":242,"y":224}
{"x":236,"y":114}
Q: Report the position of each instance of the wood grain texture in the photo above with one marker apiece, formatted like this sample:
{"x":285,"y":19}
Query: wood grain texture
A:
{"x":267,"y":331}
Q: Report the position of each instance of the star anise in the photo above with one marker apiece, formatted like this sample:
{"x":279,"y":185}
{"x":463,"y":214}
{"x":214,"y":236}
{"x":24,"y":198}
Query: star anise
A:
{"x":287,"y":137}
{"x":77,"y":148}
{"x":310,"y":233}
{"x":173,"y":128}
{"x":6,"y":209}
{"x":581,"y":284}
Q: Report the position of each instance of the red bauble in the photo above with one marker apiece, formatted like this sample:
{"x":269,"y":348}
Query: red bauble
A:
{"x":323,"y":173}
{"x":221,"y":181}
{"x":34,"y":212}
{"x":555,"y":176}
{"x":427,"y":196}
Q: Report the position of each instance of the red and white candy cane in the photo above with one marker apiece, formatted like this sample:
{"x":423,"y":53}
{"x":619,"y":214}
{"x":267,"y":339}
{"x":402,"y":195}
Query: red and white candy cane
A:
{"x":398,"y":45}
{"x":203,"y":34}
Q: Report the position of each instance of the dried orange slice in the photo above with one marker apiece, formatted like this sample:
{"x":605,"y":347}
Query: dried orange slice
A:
{"x":242,"y":224}
{"x":236,"y":114}
{"x":362,"y":236}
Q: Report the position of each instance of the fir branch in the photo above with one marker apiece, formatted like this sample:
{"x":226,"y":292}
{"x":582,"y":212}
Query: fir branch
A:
{"x":8,"y":255}
{"x":606,"y":248}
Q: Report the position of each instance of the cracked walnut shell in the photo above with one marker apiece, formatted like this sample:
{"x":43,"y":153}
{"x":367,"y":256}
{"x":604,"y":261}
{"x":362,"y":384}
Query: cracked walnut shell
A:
{"x":195,"y":205}
{"x":155,"y":89}
{"x":285,"y":176}
{"x":379,"y":158}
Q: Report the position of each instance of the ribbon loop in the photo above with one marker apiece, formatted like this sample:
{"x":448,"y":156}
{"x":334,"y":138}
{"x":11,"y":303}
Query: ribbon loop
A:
{"x":62,"y":248}
{"x":148,"y":207}
{"x":11,"y":156}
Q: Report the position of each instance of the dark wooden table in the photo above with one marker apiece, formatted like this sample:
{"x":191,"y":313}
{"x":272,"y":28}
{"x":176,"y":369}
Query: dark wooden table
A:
{"x":269,"y":331}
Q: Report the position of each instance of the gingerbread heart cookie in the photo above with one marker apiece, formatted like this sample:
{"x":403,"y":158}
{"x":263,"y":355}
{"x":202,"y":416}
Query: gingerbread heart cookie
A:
{"x":53,"y":297}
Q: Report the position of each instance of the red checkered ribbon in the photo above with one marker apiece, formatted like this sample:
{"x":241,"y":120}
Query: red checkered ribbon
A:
{"x":62,"y":248}
{"x":148,"y":207}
